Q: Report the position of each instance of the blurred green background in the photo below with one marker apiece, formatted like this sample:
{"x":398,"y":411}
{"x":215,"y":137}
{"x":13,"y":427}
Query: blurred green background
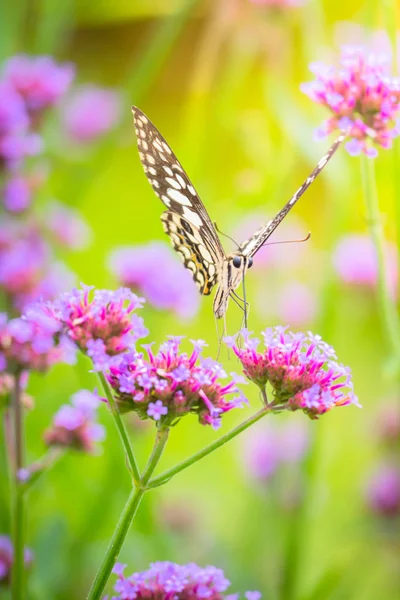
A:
{"x":221,"y":81}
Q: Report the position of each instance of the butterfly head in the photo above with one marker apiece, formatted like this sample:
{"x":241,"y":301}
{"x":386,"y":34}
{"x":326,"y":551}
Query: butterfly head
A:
{"x":233,"y":271}
{"x":240,"y":261}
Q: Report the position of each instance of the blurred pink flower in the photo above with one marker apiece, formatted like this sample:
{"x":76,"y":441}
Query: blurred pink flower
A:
{"x":355,"y":262}
{"x":91,"y":112}
{"x":68,"y":226}
{"x":7,"y":559}
{"x":269,"y":446}
{"x":293,"y":302}
{"x":33,"y":341}
{"x":40,"y":80}
{"x":279,"y":3}
{"x":362,"y":97}
{"x":154,"y":271}
{"x":17,"y":194}
{"x":28,"y":271}
{"x":389,"y":422}
{"x":75,"y":424}
{"x":383,"y":491}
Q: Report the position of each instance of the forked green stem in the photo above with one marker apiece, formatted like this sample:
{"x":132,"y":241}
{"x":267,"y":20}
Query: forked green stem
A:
{"x":167,"y":475}
{"x":126,"y":518}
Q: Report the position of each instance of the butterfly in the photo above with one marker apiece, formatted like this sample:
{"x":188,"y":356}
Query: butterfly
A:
{"x":186,"y":221}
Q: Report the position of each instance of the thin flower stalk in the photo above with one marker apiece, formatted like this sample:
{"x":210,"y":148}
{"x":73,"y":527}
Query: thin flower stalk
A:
{"x":133,"y":467}
{"x":389,"y":317}
{"x":18,"y":571}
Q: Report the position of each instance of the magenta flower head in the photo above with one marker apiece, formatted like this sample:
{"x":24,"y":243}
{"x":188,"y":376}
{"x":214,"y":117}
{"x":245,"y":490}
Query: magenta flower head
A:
{"x":361,"y":97}
{"x":39,"y":80}
{"x":383,"y":491}
{"x":165,"y":580}
{"x":7,"y":559}
{"x":33,"y":341}
{"x":102,"y":324}
{"x":154,"y":271}
{"x":75,"y":425}
{"x":170,"y":384}
{"x":91,"y":113}
{"x":355,"y":262}
{"x":301,"y":369}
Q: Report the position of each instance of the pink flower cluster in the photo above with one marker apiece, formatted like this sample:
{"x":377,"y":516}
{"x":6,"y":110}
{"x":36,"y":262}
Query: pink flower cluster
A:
{"x":154,"y":271}
{"x":362,"y":97}
{"x":33,"y":342}
{"x":74,"y":425}
{"x":302,"y":370}
{"x":102,"y":324}
{"x":167,"y":580}
{"x":168,"y":385}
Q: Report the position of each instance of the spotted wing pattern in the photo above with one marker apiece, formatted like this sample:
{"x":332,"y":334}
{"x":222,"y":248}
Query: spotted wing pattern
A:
{"x":258,"y":239}
{"x":186,"y":221}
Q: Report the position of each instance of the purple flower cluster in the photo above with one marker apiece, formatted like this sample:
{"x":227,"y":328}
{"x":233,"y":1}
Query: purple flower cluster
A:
{"x":165,"y":580}
{"x":155,"y":272}
{"x":29,"y":88}
{"x":362,"y":97}
{"x":32,"y":342}
{"x":170,"y":384}
{"x":75,"y":424}
{"x":7,"y":559}
{"x":102,"y":324}
{"x":302,"y":370}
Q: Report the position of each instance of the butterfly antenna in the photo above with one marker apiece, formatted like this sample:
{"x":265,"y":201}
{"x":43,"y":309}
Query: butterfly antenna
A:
{"x":305,"y":239}
{"x":226,"y":235}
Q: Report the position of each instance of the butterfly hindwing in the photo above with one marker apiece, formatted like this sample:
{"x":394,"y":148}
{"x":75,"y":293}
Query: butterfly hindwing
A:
{"x":193,"y":250}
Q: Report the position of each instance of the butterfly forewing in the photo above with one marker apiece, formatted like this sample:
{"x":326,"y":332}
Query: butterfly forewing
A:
{"x":258,"y":239}
{"x":195,"y":237}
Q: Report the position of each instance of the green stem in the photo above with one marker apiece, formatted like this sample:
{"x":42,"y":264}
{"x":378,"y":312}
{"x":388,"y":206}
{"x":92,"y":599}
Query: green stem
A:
{"x":121,"y":430}
{"x":298,"y":528}
{"x":166,"y":476}
{"x":126,"y":518}
{"x":18,"y":570}
{"x":389,"y":317}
